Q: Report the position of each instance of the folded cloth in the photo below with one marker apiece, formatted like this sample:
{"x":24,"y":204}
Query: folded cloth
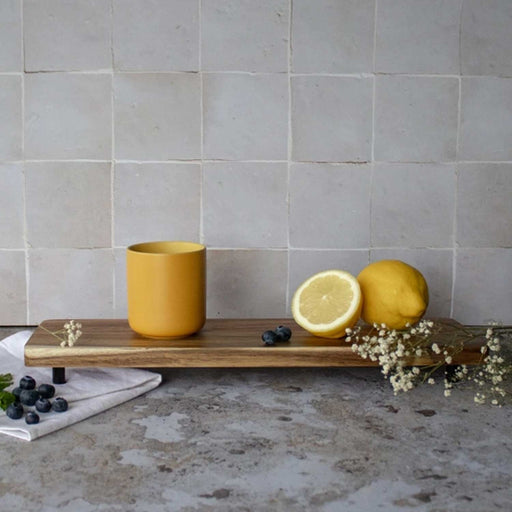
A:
{"x":88,"y":391}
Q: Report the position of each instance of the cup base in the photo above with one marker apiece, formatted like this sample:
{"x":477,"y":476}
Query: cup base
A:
{"x":180,"y":337}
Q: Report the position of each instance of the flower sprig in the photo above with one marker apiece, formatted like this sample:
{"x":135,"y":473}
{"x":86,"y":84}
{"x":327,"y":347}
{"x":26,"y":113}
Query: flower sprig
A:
{"x":68,"y":335}
{"x":412,"y":356}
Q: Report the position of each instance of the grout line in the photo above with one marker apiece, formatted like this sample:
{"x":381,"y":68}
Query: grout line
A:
{"x":372,"y":149}
{"x":456,"y":202}
{"x":305,"y":162}
{"x":457,"y":163}
{"x":24,"y":192}
{"x":201,"y":127}
{"x":289,"y":155}
{"x":112,"y":163}
{"x":358,"y":75}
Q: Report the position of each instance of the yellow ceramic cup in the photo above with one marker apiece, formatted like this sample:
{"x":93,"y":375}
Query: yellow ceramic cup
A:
{"x":166,"y":284}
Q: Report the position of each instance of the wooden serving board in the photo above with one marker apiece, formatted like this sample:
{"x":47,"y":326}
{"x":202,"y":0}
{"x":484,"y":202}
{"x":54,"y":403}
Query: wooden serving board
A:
{"x":222,"y":343}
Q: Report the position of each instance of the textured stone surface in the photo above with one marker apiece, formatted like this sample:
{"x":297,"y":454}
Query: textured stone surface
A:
{"x":259,"y":440}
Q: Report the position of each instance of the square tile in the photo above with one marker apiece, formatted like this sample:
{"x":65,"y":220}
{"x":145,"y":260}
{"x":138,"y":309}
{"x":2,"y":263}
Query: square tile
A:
{"x":156,"y":201}
{"x":332,"y":36}
{"x":60,"y":35}
{"x":246,"y":284}
{"x":486,"y":37}
{"x":157,"y":116}
{"x":63,"y":119}
{"x":484,"y":205}
{"x":243,"y":35}
{"x":413,"y":205}
{"x":70,"y":283}
{"x":10,"y":117}
{"x":416,"y":118}
{"x":11,"y":55}
{"x":156,"y":35}
{"x":120,"y":287}
{"x":436,"y":265}
{"x":330,"y":206}
{"x":331,"y":118}
{"x":13,"y":299}
{"x":305,"y":263}
{"x":245,"y":204}
{"x":245,"y":116}
{"x":11,"y":206}
{"x":418,"y":36}
{"x":483,"y":286}
{"x":68,"y":204}
{"x":486,"y":119}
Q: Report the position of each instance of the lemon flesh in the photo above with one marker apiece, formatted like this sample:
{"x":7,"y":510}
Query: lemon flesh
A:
{"x":327,"y":303}
{"x":395,"y":293}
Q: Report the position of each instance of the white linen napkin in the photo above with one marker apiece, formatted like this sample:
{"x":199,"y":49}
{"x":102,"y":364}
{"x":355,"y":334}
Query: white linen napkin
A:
{"x":88,"y":391}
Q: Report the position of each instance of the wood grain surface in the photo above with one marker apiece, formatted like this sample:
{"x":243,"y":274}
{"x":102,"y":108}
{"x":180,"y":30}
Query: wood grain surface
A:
{"x":222,"y":343}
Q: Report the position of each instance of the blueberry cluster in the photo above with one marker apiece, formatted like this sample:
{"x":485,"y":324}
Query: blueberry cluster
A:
{"x":281,"y":333}
{"x":26,"y":394}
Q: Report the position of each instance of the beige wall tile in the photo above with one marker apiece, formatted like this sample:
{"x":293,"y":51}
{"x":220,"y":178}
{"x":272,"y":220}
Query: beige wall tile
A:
{"x":416,"y":118}
{"x":10,"y":117}
{"x":70,"y":283}
{"x":157,"y":116}
{"x":332,"y":36}
{"x":156,"y":35}
{"x":67,"y":36}
{"x":245,"y":204}
{"x":330,"y":206}
{"x":331,"y":118}
{"x":68,"y":116}
{"x":483,"y":285}
{"x":418,"y":36}
{"x":413,"y":205}
{"x":246,"y":284}
{"x":484,"y":205}
{"x":486,"y":118}
{"x":11,"y":206}
{"x":158,"y":201}
{"x":245,"y":116}
{"x":243,"y":35}
{"x":13,"y":296}
{"x":486,"y":38}
{"x":10,"y":36}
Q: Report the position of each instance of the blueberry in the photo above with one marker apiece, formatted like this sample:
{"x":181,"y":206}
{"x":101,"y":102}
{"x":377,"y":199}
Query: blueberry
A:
{"x":60,"y":404}
{"x":29,"y":396}
{"x":269,"y":337}
{"x":17,"y":392}
{"x":31,"y":418}
{"x":14,"y":411}
{"x":283,"y":333}
{"x":27,"y":382}
{"x":43,"y":405}
{"x":46,"y":390}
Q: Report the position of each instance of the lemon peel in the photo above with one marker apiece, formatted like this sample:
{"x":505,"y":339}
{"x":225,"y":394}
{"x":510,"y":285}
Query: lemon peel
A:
{"x":395,"y":293}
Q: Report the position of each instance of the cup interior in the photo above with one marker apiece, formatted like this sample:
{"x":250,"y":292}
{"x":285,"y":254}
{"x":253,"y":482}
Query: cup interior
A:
{"x":167,"y":247}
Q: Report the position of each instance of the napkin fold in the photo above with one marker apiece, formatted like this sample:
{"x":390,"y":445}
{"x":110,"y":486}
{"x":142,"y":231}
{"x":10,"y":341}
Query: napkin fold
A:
{"x":88,"y":391}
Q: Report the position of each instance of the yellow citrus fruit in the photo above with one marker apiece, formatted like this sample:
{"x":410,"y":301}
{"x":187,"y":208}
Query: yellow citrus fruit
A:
{"x":395,"y":293}
{"x":327,"y":303}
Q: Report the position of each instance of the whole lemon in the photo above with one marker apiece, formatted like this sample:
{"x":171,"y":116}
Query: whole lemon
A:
{"x":394,"y":293}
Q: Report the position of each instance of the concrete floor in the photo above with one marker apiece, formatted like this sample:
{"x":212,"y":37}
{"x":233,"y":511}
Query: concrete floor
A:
{"x":270,"y":440}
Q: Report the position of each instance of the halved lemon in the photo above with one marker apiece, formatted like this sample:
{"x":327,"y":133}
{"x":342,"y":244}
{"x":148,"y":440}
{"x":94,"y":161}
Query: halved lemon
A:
{"x":327,"y":303}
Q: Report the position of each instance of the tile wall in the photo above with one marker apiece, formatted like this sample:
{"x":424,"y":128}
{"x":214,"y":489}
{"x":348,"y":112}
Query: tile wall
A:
{"x":289,"y":136}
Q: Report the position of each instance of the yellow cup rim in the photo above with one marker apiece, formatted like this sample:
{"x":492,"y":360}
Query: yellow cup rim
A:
{"x":166,"y":248}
